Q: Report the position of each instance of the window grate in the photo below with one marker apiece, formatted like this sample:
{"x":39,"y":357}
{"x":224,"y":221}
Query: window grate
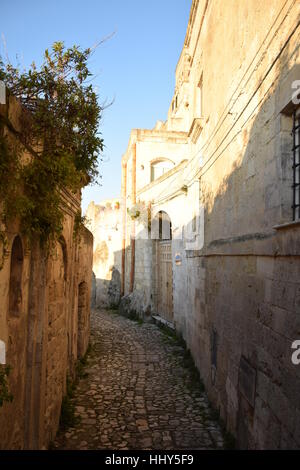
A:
{"x":296,"y":165}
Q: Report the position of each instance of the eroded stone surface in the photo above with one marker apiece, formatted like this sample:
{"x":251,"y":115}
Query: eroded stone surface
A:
{"x":137,"y":394}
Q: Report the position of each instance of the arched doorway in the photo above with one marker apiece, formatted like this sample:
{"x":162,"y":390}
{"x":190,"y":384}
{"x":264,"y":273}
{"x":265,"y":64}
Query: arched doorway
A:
{"x":164,"y":267}
{"x":82,"y":315}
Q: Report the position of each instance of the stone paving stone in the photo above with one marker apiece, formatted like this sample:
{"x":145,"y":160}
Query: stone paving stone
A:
{"x":136,"y":394}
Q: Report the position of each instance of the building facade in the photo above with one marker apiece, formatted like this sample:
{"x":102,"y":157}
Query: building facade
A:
{"x":211,"y":222}
{"x":104,"y":220}
{"x":44,"y":320}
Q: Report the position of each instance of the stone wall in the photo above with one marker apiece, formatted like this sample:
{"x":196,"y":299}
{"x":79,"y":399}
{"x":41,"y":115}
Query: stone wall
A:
{"x":39,"y":323}
{"x":236,"y":290}
{"x":244,"y":284}
{"x":105,"y":222}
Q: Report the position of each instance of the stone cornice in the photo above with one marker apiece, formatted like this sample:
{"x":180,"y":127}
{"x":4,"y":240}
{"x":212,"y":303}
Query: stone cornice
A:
{"x":146,"y":135}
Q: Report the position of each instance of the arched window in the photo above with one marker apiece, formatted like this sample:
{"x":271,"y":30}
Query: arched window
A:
{"x":159,"y":167}
{"x":63,"y":245}
{"x":15,"y":282}
{"x":161,"y":227}
{"x":165,"y":226}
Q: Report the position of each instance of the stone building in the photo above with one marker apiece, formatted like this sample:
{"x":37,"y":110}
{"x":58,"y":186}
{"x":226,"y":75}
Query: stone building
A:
{"x":44,"y":320}
{"x":105,"y":222}
{"x":210,"y":198}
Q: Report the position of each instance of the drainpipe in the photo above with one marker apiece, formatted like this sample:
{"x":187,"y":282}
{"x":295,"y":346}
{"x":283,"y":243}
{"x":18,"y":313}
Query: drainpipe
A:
{"x":123,"y":196}
{"x":133,"y":201}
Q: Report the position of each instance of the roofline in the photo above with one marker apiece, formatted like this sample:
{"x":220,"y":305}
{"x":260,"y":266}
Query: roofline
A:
{"x":136,"y":133}
{"x":188,"y":34}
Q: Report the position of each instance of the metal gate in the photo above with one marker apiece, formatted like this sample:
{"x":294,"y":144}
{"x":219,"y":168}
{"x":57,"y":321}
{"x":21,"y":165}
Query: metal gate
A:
{"x":165,"y":280}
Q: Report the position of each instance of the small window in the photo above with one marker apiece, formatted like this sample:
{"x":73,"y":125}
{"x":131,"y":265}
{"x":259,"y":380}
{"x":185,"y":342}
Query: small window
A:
{"x":214,"y":347}
{"x":161,"y":227}
{"x":175,"y":103}
{"x":165,"y":226}
{"x":158,"y":168}
{"x":194,"y":224}
{"x":296,"y":164}
{"x":199,"y":98}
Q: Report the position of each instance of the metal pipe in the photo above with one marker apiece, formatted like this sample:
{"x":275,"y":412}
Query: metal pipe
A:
{"x":123,"y":196}
{"x":133,"y":201}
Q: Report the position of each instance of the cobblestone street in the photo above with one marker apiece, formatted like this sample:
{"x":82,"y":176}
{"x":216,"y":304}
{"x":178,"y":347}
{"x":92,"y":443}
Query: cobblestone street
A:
{"x":138,"y":394}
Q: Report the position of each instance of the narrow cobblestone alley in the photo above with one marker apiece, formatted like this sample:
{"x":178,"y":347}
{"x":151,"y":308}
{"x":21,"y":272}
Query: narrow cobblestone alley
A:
{"x":138,"y":394}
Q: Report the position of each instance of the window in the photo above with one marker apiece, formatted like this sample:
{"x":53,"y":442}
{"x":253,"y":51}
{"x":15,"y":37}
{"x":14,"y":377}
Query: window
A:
{"x":175,"y":103}
{"x":194,"y":223}
{"x":160,"y":167}
{"x":199,"y":99}
{"x":296,"y":164}
{"x":161,"y":227}
{"x":165,"y":226}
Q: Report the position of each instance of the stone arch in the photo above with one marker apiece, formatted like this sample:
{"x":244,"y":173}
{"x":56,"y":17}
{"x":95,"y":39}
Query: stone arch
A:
{"x":161,"y":226}
{"x":82,"y":318}
{"x":159,"y":166}
{"x":161,"y":159}
{"x":63,"y":244}
{"x":15,"y":281}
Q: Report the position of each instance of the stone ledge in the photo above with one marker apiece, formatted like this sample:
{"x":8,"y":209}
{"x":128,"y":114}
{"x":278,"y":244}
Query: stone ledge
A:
{"x":158,"y":319}
{"x":194,"y":253}
{"x":293,"y":224}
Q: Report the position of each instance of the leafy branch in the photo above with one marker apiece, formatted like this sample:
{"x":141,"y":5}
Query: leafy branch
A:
{"x":59,"y":129}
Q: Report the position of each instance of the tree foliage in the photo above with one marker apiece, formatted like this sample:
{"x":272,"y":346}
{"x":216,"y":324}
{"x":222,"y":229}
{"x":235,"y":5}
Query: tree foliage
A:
{"x":59,"y":128}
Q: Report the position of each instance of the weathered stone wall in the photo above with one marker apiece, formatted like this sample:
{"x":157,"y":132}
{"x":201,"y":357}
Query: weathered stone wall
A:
{"x":13,"y":331}
{"x":236,"y":291}
{"x":39,"y":323}
{"x":56,"y":358}
{"x":84,"y":286}
{"x":243,"y":285}
{"x":105,"y":222}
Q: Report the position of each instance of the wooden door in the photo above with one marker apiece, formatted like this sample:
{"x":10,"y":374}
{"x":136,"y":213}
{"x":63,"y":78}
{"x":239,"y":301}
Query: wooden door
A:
{"x":165,"y":280}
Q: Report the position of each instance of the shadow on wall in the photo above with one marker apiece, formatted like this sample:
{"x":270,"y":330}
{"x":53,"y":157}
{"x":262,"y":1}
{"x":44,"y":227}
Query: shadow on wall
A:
{"x":245,"y":313}
{"x":242,"y":310}
{"x":106,"y":292}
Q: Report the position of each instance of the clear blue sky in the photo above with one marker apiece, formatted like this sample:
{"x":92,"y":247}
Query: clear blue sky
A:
{"x":135,"y":67}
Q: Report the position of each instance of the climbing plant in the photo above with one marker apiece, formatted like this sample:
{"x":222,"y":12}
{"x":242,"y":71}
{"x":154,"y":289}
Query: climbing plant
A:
{"x":58,"y":129}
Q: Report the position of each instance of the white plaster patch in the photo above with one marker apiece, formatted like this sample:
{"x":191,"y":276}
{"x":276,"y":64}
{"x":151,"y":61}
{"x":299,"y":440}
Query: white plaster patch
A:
{"x":2,"y":353}
{"x":2,"y":93}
